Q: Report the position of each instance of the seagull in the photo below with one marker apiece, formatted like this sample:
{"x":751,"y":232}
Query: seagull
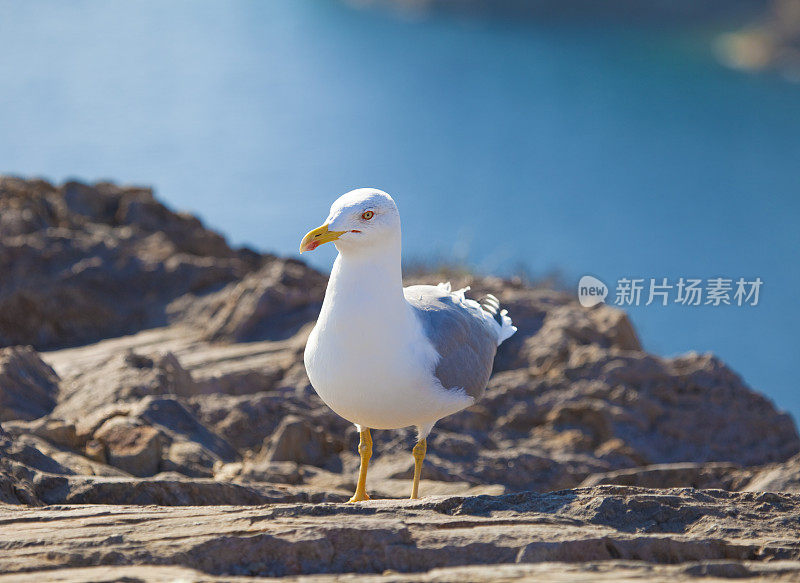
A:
{"x":383,"y":356}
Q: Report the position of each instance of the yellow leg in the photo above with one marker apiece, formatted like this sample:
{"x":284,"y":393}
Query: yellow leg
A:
{"x":419,"y":455}
{"x":365,"y":449}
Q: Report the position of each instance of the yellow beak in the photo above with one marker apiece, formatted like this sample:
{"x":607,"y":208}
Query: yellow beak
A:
{"x":317,"y":237}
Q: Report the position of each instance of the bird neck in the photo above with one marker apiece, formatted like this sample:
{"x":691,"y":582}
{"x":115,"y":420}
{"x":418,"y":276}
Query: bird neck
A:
{"x":375,"y":269}
{"x":363,"y":280}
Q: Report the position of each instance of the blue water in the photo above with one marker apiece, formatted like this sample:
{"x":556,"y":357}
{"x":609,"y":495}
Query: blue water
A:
{"x":611,"y":152}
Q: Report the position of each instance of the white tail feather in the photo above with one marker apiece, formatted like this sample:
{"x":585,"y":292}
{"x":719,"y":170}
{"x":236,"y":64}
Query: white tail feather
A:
{"x":507,"y":328}
{"x":487,"y":310}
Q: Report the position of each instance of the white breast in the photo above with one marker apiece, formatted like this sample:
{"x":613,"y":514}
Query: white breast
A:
{"x":373,"y":366}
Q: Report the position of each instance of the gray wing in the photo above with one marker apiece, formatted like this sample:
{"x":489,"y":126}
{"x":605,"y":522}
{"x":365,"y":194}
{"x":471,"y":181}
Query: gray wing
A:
{"x":466,"y":344}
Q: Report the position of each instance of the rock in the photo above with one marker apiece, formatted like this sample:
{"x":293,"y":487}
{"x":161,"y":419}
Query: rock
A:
{"x":177,"y":423}
{"x":189,"y":459}
{"x":19,"y":453}
{"x":15,"y":477}
{"x":122,"y":377}
{"x":589,"y":572}
{"x":62,"y":459}
{"x":28,"y":386}
{"x":95,"y":450}
{"x":56,"y":431}
{"x":711,"y":475}
{"x":691,"y":408}
{"x":262,"y":470}
{"x":15,"y":490}
{"x":129,"y":446}
{"x":169,"y":490}
{"x":153,"y":434}
{"x":613,"y":531}
{"x":297,"y":441}
{"x":272,"y":303}
{"x":83,"y":262}
{"x":783,"y":477}
{"x":615,"y":328}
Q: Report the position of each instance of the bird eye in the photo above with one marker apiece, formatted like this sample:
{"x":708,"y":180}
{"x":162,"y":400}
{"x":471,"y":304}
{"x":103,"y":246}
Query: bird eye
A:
{"x":367,"y":215}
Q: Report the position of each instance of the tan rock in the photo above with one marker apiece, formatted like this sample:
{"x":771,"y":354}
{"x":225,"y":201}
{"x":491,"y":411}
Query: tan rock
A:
{"x":273,"y":303}
{"x":95,"y":450}
{"x":710,"y":475}
{"x":189,"y":459}
{"x":69,"y":461}
{"x":297,"y":441}
{"x":56,"y":431}
{"x":115,"y":258}
{"x":133,"y":448}
{"x":783,"y":477}
{"x":605,"y":532}
{"x":28,"y":386}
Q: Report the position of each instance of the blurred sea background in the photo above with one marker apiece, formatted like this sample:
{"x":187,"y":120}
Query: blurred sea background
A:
{"x":613,"y":147}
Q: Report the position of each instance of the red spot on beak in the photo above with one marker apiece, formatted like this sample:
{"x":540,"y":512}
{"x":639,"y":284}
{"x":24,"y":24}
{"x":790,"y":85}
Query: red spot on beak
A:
{"x":355,"y":231}
{"x":312,"y":245}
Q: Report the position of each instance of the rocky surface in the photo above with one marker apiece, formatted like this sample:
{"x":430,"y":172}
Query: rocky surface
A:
{"x":29,"y":386}
{"x":205,"y":406}
{"x":644,"y":532}
{"x":80,"y":262}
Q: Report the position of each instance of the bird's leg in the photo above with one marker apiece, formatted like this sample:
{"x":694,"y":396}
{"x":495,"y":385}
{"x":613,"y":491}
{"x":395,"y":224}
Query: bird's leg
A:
{"x":419,"y":455}
{"x":365,"y":449}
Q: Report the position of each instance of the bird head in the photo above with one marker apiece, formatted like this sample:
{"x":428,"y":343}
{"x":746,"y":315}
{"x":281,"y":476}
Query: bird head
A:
{"x":362,"y":218}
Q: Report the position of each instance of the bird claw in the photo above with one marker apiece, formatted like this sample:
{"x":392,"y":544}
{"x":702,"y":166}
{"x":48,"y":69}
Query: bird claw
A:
{"x":359,"y":497}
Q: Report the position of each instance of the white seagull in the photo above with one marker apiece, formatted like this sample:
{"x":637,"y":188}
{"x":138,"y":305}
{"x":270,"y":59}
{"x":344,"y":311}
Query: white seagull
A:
{"x":383,"y":356}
